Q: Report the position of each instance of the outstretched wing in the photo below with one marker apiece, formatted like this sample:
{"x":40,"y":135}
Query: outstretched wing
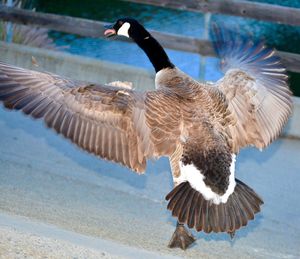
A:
{"x":110,"y":122}
{"x":255,"y":85}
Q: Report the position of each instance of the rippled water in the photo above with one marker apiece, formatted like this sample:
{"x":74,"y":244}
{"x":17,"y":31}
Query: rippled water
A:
{"x":283,"y":37}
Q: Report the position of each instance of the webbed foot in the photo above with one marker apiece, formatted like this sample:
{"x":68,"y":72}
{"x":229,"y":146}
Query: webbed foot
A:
{"x":181,"y":238}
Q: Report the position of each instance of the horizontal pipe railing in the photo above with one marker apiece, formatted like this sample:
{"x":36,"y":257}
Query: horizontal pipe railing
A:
{"x":90,"y":28}
{"x":246,"y":9}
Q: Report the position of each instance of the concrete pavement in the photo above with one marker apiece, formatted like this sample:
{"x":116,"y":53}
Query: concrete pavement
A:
{"x":48,"y":182}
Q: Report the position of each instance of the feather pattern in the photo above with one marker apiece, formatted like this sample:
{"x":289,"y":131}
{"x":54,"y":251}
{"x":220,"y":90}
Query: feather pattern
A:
{"x":112,"y":122}
{"x":209,"y":217}
{"x":255,"y":85}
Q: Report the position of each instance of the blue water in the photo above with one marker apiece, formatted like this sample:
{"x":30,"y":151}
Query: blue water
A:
{"x":171,"y":21}
{"x":131,"y":54}
{"x":283,"y":37}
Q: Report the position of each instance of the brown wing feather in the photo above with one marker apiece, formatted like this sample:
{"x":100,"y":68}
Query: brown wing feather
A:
{"x":114,"y":123}
{"x":255,"y":85}
{"x":163,"y":116}
{"x":260,"y":112}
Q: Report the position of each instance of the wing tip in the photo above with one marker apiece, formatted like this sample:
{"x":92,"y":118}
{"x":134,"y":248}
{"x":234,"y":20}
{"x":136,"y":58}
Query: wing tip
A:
{"x":242,"y":52}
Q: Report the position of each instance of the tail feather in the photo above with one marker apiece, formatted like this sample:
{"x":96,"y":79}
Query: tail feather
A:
{"x":187,"y":206}
{"x":205,"y":219}
{"x":241,"y":215}
{"x":232,"y":213}
{"x":202,"y":211}
{"x":175,"y":194}
{"x":190,"y":216}
{"x":221,"y":217}
{"x":230,"y":217}
{"x":214,"y":219}
{"x":198,"y":212}
{"x":250,"y":195}
{"x":247,"y":206}
{"x":184,"y":205}
{"x":190,"y":207}
{"x":201,"y":220}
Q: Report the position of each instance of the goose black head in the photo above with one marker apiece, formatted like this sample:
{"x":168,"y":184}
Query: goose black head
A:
{"x":131,"y":28}
{"x":127,"y":27}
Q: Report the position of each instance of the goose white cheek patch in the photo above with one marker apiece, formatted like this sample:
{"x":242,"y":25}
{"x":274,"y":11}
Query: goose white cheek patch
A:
{"x":124,"y":29}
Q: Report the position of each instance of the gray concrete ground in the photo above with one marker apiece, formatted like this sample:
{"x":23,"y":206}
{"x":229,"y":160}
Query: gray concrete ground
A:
{"x":87,"y":208}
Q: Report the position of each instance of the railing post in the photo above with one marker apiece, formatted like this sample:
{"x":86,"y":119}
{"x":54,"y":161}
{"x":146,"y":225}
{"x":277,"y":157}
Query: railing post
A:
{"x":202,"y":67}
{"x":9,"y":29}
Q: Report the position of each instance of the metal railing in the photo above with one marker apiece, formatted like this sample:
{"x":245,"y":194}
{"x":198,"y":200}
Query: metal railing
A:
{"x":246,"y":9}
{"x":90,"y":28}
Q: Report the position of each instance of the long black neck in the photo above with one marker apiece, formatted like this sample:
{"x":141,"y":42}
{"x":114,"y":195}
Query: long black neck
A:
{"x":155,"y":53}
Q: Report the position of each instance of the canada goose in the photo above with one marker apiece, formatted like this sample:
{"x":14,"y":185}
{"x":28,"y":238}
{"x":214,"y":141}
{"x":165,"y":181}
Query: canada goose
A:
{"x":199,"y":126}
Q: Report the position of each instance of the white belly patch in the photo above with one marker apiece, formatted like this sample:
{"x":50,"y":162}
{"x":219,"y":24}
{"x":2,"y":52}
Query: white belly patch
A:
{"x":191,"y":174}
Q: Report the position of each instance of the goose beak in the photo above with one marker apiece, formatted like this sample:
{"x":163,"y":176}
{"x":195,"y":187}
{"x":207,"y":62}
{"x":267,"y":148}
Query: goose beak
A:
{"x":110,"y":31}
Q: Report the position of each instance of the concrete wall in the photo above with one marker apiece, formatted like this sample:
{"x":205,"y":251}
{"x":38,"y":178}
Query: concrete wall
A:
{"x":75,"y":66}
{"x":292,"y":129}
{"x":97,"y":71}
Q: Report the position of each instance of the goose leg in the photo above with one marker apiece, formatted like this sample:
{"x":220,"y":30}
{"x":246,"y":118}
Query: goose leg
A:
{"x":181,"y":237}
{"x":231,"y":234}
